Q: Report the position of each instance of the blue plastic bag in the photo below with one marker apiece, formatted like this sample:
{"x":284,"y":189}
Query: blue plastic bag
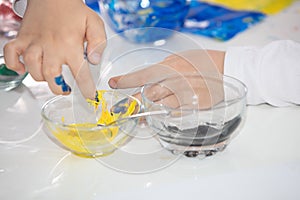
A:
{"x":187,"y":16}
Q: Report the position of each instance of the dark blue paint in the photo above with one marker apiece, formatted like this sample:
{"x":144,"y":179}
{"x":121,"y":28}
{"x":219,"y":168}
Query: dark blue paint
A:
{"x":59,"y":80}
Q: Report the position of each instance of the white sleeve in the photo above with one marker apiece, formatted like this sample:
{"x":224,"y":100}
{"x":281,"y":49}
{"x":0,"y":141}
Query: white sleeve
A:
{"x":271,"y":73}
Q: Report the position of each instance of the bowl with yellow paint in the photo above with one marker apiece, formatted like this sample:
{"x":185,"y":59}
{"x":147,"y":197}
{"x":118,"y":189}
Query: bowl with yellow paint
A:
{"x":82,"y":126}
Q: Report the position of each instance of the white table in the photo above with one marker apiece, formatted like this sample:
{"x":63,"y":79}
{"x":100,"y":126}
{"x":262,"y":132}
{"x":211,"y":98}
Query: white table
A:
{"x":262,"y":162}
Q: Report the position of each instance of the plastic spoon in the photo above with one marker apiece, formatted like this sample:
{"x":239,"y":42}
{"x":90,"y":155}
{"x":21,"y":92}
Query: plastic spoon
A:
{"x":144,"y":114}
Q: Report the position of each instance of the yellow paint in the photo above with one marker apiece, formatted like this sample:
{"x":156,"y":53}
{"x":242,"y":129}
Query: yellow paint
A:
{"x":89,"y":139}
{"x":265,"y":6}
{"x":84,"y":141}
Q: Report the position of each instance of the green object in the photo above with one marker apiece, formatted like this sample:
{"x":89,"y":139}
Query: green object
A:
{"x":7,"y":72}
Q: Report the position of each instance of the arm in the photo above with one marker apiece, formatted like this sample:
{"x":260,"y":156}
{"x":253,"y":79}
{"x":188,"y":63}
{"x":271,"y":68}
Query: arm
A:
{"x":271,"y":73}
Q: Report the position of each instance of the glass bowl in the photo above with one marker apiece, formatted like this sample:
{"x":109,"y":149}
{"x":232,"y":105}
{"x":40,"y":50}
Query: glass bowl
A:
{"x":71,"y":123}
{"x":124,"y":15}
{"x":8,"y":78}
{"x":205,"y":112}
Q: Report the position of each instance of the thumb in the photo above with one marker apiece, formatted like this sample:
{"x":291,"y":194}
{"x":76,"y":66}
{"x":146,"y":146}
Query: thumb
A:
{"x":12,"y":51}
{"x":96,"y":38}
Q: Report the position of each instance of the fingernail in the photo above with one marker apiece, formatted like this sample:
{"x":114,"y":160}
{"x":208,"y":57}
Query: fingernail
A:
{"x":95,"y":57}
{"x":59,"y":80}
{"x":112,"y":83}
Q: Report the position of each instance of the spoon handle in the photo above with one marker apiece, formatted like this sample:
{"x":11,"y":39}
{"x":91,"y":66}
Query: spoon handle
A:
{"x":143,"y":114}
{"x":149,"y":113}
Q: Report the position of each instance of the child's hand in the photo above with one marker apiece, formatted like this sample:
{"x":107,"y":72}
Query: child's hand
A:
{"x":173,"y":93}
{"x":53,"y":33}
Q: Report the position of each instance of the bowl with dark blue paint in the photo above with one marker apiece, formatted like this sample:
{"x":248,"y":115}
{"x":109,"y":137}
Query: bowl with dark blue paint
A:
{"x":205,"y":112}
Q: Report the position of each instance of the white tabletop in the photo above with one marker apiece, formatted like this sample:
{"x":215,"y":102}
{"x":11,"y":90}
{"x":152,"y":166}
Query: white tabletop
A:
{"x":262,"y":162}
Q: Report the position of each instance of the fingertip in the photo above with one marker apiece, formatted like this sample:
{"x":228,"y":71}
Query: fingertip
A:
{"x":21,"y":71}
{"x":60,"y":81}
{"x":95,"y":57}
{"x":113,"y":83}
{"x":11,"y":57}
{"x":96,"y":39}
{"x":95,"y":48}
{"x":56,"y":83}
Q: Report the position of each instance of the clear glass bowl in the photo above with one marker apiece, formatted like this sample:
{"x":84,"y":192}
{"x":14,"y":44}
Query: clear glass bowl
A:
{"x":71,"y":123}
{"x":205,"y":112}
{"x":124,"y":15}
{"x":8,"y":78}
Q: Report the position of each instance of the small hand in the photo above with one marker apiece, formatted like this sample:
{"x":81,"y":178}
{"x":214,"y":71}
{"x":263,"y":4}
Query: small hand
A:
{"x":53,"y":33}
{"x":174,"y":93}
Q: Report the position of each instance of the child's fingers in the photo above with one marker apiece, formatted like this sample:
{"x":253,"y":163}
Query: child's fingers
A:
{"x":96,"y":39}
{"x":131,"y":80}
{"x":137,"y":78}
{"x":82,"y":74}
{"x":33,"y":61}
{"x":170,"y":101}
{"x":52,"y":72}
{"x":156,"y":92}
{"x":12,"y":52}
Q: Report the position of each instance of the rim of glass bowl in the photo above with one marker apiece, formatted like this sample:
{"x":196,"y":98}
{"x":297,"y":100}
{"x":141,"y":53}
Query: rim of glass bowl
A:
{"x":216,"y":107}
{"x":47,"y":103}
{"x":12,"y":83}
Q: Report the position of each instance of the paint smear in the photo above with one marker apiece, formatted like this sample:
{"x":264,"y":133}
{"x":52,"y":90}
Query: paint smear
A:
{"x":88,"y":139}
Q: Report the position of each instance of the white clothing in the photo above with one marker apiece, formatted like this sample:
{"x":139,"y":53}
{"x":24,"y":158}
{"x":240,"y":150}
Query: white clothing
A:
{"x":271,"y":73}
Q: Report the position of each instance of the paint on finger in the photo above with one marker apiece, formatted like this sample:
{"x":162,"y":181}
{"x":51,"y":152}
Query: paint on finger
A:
{"x":97,"y":97}
{"x":59,"y":80}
